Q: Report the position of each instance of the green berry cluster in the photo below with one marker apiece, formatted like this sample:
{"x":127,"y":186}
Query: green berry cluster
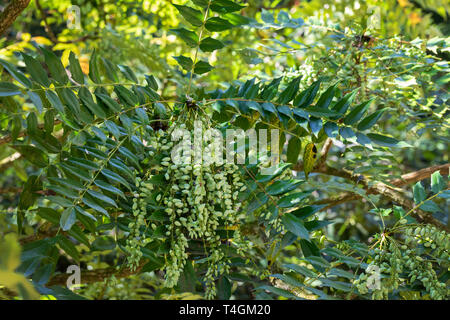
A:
{"x":432,"y":238}
{"x":200,"y":202}
{"x":136,"y":239}
{"x":399,"y":265}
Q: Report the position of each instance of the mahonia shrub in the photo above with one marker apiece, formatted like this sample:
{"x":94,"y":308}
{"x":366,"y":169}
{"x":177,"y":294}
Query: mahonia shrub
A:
{"x":119,"y":185}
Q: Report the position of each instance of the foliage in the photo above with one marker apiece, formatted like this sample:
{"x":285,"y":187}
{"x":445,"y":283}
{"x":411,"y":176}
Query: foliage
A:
{"x":89,"y":118}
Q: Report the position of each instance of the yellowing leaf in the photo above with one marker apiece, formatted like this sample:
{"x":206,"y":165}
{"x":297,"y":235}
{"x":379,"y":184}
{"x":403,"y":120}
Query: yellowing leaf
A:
{"x":414,"y":18}
{"x":9,"y":253}
{"x":26,"y":37}
{"x":42,"y":40}
{"x":84,"y":64}
{"x":309,"y":157}
{"x":9,"y":261}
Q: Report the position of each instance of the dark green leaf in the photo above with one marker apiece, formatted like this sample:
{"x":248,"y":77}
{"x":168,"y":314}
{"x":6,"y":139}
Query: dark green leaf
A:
{"x":225,"y":6}
{"x":69,"y":248}
{"x":55,"y":66}
{"x":216,"y":24}
{"x":8,"y":89}
{"x":191,"y":15}
{"x":295,"y":225}
{"x":75,"y":69}
{"x":370,"y":120}
{"x":386,"y":141}
{"x":16,"y":74}
{"x":187,"y":36}
{"x":32,"y":154}
{"x":36,"y":70}
{"x":68,"y":218}
{"x":283,"y":186}
{"x":202,"y":67}
{"x":419,"y":193}
{"x":185,"y":62}
{"x":209,"y":44}
{"x":357,"y":112}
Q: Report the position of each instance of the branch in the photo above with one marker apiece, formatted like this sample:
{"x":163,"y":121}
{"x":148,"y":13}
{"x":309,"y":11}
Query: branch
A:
{"x":331,"y":202}
{"x":413,"y":177}
{"x":89,"y":276}
{"x":8,"y":138}
{"x":8,"y":161}
{"x":49,"y":31}
{"x":324,"y":152}
{"x":10,"y":13}
{"x":52,"y":35}
{"x":379,"y":188}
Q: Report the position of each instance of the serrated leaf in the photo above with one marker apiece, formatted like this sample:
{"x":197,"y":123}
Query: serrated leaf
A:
{"x":70,"y":99}
{"x":315,"y":124}
{"x":128,"y":73}
{"x":87,"y":99}
{"x":92,"y":203}
{"x":306,"y":97}
{"x":106,"y":186}
{"x":302,"y":270}
{"x":94,"y":70}
{"x":115,"y":177}
{"x":126,"y":96}
{"x":103,"y":243}
{"x":289,"y":92}
{"x":429,"y":206}
{"x":110,"y":102}
{"x":319,"y":112}
{"x":326,"y":98}
{"x":342,"y":105}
